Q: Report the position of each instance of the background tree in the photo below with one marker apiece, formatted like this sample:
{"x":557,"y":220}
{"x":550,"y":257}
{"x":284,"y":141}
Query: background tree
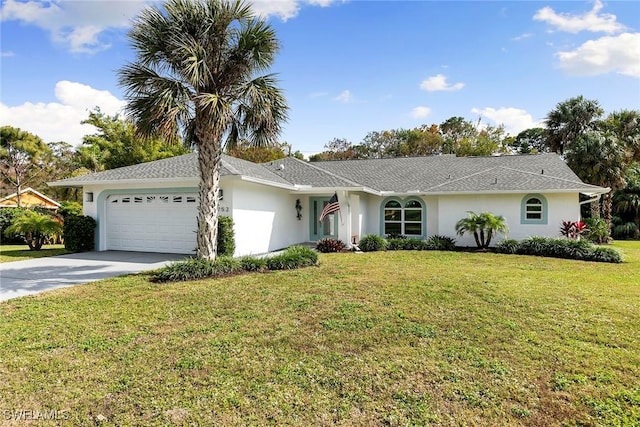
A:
{"x":599,"y":159}
{"x":532,"y":140}
{"x":118,"y":143}
{"x":196,"y":69}
{"x":570,"y":119}
{"x":256,"y":154}
{"x":21,"y":157}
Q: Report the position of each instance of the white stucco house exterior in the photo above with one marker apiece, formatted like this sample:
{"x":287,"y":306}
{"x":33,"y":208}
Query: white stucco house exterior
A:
{"x":152,"y":207}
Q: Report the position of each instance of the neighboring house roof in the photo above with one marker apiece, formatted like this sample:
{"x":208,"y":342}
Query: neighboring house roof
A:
{"x":28,"y":198}
{"x":404,"y":175}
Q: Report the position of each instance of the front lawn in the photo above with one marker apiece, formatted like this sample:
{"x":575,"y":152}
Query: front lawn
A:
{"x":383,"y":338}
{"x":10,"y":253}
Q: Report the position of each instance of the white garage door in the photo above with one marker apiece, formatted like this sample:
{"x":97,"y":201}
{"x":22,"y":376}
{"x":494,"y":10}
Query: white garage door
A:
{"x":152,"y":222}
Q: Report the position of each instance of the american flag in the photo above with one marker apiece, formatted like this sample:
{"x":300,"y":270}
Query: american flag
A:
{"x":331,"y":207}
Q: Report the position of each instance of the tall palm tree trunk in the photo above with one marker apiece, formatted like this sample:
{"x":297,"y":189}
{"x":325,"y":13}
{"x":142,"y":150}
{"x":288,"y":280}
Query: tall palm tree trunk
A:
{"x":607,"y":203}
{"x":595,"y":208}
{"x":209,"y":160}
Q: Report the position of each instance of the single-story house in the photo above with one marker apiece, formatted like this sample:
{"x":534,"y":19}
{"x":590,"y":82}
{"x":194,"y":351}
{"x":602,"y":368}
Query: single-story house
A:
{"x":29,"y":198}
{"x":153,"y":206}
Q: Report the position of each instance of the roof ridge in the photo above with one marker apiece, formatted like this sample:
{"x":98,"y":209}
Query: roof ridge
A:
{"x":546,"y":176}
{"x":462,"y":177}
{"x":355,"y":184}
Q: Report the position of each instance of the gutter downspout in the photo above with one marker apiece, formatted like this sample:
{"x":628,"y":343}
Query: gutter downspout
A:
{"x":592,"y":199}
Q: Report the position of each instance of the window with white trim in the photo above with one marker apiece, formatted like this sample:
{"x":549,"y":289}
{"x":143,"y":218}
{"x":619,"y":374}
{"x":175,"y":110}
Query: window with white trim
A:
{"x":534,"y":209}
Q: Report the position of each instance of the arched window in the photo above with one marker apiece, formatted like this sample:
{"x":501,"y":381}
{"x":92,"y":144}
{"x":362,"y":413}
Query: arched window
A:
{"x":403,"y":217}
{"x":534,"y":209}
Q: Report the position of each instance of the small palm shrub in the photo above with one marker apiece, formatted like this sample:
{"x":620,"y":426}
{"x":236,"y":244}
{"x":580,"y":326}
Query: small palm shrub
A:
{"x":507,"y":246}
{"x":330,"y":245}
{"x":372,"y":243}
{"x":34,"y":227}
{"x":598,"y":230}
{"x":440,"y":243}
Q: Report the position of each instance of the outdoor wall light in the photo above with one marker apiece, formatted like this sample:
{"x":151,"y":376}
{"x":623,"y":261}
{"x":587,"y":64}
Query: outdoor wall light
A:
{"x":298,"y":210}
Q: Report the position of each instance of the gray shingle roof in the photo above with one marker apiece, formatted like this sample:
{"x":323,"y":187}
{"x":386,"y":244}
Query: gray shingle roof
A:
{"x":448,"y":173}
{"x":433,"y":174}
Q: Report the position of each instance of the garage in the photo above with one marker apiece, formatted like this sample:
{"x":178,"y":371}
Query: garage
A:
{"x":156,"y":222}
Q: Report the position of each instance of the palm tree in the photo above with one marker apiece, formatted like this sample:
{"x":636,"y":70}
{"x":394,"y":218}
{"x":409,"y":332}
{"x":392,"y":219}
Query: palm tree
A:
{"x":570,"y":119}
{"x":483,"y":227}
{"x":196,"y":73}
{"x":599,"y":159}
{"x":35,"y":228}
{"x":492,"y":225}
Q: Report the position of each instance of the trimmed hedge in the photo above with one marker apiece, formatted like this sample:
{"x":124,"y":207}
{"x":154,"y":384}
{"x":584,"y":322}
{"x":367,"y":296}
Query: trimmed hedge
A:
{"x":195,"y":268}
{"x":559,"y":248}
{"x":79,"y":233}
{"x":226,"y":238}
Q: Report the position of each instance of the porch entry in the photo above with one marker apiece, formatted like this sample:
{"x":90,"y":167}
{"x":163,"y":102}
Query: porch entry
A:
{"x":328,"y":228}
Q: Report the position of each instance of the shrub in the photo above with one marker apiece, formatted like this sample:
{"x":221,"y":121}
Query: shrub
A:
{"x":440,"y":243}
{"x":600,"y":254}
{"x":226,"y":238}
{"x":293,"y":257}
{"x":196,"y":268}
{"x":598,"y":230}
{"x":507,"y":246}
{"x":7,"y":215}
{"x":573,"y":229}
{"x":250,"y":263}
{"x":372,"y":243}
{"x":413,"y":244}
{"x":568,"y":249}
{"x":393,"y":243}
{"x":79,"y":233}
{"x":534,"y":246}
{"x":330,"y":245}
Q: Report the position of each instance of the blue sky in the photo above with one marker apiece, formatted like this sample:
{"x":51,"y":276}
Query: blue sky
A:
{"x":347,"y":67}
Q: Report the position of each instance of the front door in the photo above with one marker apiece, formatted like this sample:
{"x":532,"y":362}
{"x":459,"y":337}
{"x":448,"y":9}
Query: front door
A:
{"x":328,"y":227}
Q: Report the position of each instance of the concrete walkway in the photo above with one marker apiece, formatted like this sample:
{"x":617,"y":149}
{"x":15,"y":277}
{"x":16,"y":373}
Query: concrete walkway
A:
{"x":28,"y":277}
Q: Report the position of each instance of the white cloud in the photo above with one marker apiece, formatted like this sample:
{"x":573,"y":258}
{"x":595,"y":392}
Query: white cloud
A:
{"x":284,"y":9}
{"x":345,"y":97}
{"x":514,"y":120}
{"x":7,"y":54}
{"x":592,"y":21}
{"x":60,"y":121}
{"x":522,"y":37}
{"x":620,"y":54}
{"x":439,"y":83}
{"x":420,"y":112}
{"x":75,"y":24}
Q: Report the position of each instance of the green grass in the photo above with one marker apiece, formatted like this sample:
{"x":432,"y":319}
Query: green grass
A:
{"x":10,"y":253}
{"x":385,"y":338}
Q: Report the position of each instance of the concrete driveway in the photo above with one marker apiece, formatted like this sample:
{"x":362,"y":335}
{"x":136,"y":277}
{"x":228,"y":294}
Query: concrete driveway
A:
{"x":28,"y":277}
